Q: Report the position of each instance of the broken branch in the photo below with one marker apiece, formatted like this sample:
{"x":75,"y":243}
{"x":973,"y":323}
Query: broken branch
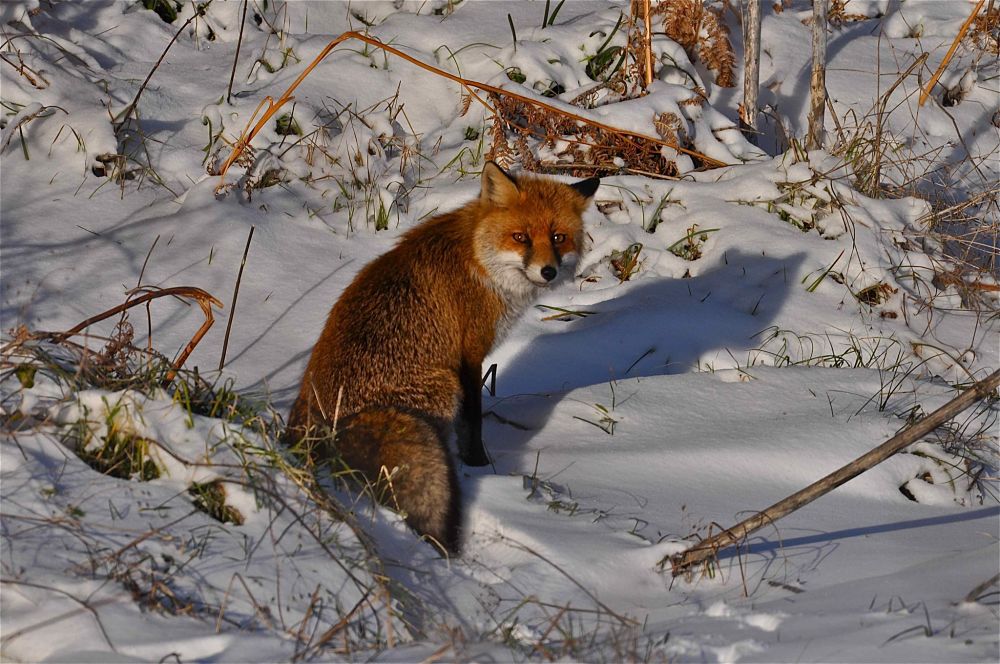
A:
{"x":709,"y":548}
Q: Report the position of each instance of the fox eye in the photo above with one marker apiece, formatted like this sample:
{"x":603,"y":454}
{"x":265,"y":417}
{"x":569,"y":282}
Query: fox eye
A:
{"x":558,"y":238}
{"x":520,"y":237}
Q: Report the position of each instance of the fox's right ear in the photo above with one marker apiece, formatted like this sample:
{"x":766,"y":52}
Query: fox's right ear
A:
{"x":588,"y":187}
{"x":498,"y":187}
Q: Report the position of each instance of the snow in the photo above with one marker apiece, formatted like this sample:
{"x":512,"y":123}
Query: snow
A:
{"x":783,"y":319}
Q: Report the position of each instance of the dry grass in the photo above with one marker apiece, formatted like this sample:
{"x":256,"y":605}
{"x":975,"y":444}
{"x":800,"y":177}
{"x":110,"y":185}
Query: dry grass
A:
{"x":280,"y":486}
{"x":985,"y":31}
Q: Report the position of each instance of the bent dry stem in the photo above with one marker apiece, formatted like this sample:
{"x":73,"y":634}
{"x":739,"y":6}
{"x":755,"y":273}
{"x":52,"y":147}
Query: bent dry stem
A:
{"x":204,"y":299}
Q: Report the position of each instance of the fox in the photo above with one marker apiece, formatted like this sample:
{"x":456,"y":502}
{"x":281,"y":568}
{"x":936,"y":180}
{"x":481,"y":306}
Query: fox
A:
{"x":397,"y":368}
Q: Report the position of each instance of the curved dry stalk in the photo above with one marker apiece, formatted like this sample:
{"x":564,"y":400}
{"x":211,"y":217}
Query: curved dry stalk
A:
{"x":204,"y":299}
{"x":470,"y":86}
{"x":925,"y":93}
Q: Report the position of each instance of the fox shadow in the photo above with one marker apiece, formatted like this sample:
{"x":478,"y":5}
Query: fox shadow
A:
{"x":663,"y":327}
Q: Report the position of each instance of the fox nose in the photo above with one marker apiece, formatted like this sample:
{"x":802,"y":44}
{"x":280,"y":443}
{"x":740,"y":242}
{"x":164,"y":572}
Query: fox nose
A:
{"x":548,"y":273}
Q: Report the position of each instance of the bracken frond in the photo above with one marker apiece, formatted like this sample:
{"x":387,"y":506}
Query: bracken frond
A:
{"x":837,"y":13}
{"x":580,"y":149}
{"x":703,"y":34}
{"x":985,"y":31}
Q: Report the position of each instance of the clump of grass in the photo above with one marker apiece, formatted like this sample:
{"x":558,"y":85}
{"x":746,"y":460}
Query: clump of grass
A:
{"x":802,"y":204}
{"x":210,"y":498}
{"x":287,"y":125}
{"x":117,"y":446}
{"x":120,"y":454}
{"x":605,"y":421}
{"x":515,"y":74}
{"x":165,"y":9}
{"x":599,"y":65}
{"x":689,"y":247}
{"x":549,"y":19}
{"x":626,"y":263}
{"x":783,"y":348}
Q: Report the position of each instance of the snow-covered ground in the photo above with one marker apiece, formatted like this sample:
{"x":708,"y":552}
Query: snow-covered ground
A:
{"x":782,"y":315}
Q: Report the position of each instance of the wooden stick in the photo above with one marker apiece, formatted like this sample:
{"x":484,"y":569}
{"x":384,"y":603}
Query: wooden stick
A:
{"x":470,"y":86}
{"x":682,"y":562}
{"x":976,"y":592}
{"x":647,"y":45}
{"x":817,"y":83}
{"x":951,"y":51}
{"x":751,"y":69}
{"x":123,"y":116}
{"x":236,"y":58}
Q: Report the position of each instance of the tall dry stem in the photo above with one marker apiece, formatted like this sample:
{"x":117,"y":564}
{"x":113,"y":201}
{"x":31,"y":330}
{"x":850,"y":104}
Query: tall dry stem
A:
{"x":817,"y":82}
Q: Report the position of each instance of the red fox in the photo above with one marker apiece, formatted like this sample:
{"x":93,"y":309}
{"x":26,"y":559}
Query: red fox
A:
{"x":399,"y":362}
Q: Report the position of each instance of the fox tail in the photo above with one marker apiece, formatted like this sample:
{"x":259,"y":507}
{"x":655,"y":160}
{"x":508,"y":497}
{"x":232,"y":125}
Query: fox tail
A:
{"x":405,"y":448}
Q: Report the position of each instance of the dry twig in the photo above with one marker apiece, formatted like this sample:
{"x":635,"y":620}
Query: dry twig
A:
{"x":682,"y":562}
{"x":236,"y":292}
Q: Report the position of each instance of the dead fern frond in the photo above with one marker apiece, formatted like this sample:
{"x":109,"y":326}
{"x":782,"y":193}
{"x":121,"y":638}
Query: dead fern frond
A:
{"x":670,"y":128}
{"x":580,"y":149}
{"x":985,"y":31}
{"x":466,"y":100}
{"x":500,"y":150}
{"x":837,"y":13}
{"x":703,"y":34}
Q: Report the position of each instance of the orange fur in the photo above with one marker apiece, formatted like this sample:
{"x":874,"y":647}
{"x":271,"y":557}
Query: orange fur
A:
{"x":403,"y":346}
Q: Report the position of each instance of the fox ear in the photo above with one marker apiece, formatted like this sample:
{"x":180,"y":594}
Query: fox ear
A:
{"x":586,"y":188}
{"x":498,"y":187}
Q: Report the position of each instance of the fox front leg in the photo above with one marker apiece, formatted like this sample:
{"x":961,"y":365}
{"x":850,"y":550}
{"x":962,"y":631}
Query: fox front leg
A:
{"x":469,"y":424}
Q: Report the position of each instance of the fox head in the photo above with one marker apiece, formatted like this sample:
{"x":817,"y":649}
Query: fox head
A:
{"x":531,"y":228}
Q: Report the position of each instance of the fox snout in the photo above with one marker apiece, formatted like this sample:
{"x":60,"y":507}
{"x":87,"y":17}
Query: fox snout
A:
{"x":542,"y":264}
{"x":542,"y":253}
{"x":542,"y":273}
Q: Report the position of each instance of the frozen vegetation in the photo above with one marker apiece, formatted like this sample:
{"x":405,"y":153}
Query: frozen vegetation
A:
{"x":750,"y":316}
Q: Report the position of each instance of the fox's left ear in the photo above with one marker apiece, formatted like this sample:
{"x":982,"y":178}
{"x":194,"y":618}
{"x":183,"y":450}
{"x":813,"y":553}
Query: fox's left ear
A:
{"x":586,"y":188}
{"x":498,"y":186}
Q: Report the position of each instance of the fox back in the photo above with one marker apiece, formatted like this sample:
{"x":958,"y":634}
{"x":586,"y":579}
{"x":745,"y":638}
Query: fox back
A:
{"x":398,"y":365}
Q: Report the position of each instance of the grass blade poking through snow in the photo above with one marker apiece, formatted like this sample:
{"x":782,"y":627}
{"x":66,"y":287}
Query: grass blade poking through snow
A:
{"x":232,"y":307}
